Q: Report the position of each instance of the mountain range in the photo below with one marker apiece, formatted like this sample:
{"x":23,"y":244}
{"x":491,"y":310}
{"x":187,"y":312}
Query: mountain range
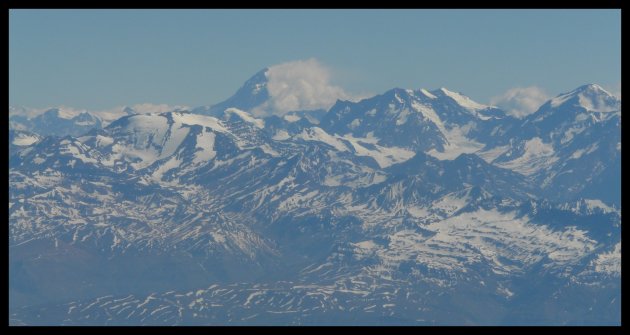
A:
{"x":411,"y":207}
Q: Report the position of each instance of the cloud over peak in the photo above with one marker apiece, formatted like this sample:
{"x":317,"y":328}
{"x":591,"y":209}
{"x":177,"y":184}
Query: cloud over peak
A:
{"x":521,"y":101}
{"x":299,"y":85}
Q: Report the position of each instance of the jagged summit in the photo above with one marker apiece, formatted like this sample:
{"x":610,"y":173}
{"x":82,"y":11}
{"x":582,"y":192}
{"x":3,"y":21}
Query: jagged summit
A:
{"x":252,"y":94}
{"x":590,"y":97}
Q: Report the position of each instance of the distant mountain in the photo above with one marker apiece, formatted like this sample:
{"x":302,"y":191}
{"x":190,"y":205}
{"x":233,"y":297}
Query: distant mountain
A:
{"x":56,"y":122}
{"x":64,"y":121}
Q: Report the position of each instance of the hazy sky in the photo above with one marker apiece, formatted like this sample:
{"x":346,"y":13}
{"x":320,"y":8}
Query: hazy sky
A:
{"x":98,"y":59}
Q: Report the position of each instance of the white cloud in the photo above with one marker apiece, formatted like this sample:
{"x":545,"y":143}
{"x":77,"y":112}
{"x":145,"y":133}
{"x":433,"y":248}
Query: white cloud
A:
{"x":299,"y":85}
{"x":521,"y":101}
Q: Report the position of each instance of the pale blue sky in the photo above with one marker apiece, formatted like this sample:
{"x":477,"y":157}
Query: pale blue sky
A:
{"x":98,"y":59}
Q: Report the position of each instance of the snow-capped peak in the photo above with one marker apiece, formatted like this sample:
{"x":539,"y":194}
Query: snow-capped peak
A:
{"x":257,"y":83}
{"x":252,"y":94}
{"x":463,"y":100}
{"x":591,"y":97}
{"x":592,"y":89}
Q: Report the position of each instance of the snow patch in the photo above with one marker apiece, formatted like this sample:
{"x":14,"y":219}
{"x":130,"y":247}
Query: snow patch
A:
{"x":75,"y":149}
{"x":418,"y":212}
{"x":246,"y":117}
{"x":491,"y":154}
{"x":402,"y":117}
{"x":68,"y":113}
{"x":451,"y":203}
{"x":428,"y":113}
{"x":281,"y":135}
{"x":24,"y":140}
{"x":266,"y":148}
{"x":560,"y":99}
{"x":205,"y":142}
{"x":504,"y":291}
{"x":580,"y":152}
{"x":427,"y":94}
{"x":598,"y":204}
{"x":103,"y":141}
{"x":291,"y":118}
{"x":457,"y":144}
{"x":169,"y":165}
{"x":319,"y":135}
{"x":366,"y":244}
{"x":384,"y":156}
{"x":355,"y":123}
{"x":537,"y":155}
{"x":571,"y":132}
{"x":609,"y":262}
{"x":596,"y":104}
{"x":202,"y":120}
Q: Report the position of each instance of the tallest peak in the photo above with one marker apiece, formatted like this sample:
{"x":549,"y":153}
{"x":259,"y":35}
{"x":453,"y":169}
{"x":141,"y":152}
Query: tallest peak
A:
{"x":260,"y":75}
{"x":257,"y":81}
